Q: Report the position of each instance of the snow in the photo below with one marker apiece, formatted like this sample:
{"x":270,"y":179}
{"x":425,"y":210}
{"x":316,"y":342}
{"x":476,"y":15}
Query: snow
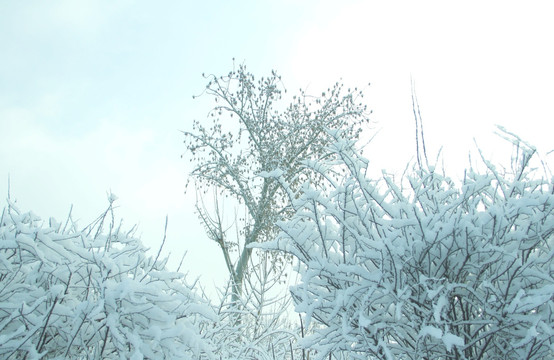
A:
{"x":451,"y":340}
{"x":276,"y":173}
{"x":432,"y":331}
{"x":441,"y":303}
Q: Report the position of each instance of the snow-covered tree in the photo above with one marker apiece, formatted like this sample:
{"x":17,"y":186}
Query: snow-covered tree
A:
{"x":92,"y":293}
{"x":252,"y":132}
{"x":424,"y":267}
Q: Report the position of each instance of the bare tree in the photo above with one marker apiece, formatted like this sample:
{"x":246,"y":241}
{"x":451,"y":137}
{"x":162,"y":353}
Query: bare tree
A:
{"x":250,"y":136}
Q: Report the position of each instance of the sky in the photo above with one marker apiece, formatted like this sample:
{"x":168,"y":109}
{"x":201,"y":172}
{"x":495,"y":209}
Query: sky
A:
{"x":94,"y":94}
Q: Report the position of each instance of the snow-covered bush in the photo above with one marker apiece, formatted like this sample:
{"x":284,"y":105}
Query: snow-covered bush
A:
{"x":425,"y":268}
{"x":92,"y":294}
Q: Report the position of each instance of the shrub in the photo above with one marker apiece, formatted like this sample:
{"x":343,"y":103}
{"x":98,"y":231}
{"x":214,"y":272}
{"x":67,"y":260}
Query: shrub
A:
{"x":431,"y":270}
{"x":92,"y":294}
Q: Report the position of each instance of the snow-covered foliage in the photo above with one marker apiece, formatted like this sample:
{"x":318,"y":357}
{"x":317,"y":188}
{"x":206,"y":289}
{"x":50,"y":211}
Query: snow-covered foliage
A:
{"x":92,"y":293}
{"x":424,"y":268}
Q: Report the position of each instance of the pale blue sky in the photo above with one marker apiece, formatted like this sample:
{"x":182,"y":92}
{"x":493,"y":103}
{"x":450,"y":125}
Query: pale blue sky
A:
{"x":93,"y":93}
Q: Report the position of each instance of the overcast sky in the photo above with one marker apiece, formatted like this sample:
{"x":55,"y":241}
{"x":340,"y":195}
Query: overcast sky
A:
{"x":93,"y":94}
